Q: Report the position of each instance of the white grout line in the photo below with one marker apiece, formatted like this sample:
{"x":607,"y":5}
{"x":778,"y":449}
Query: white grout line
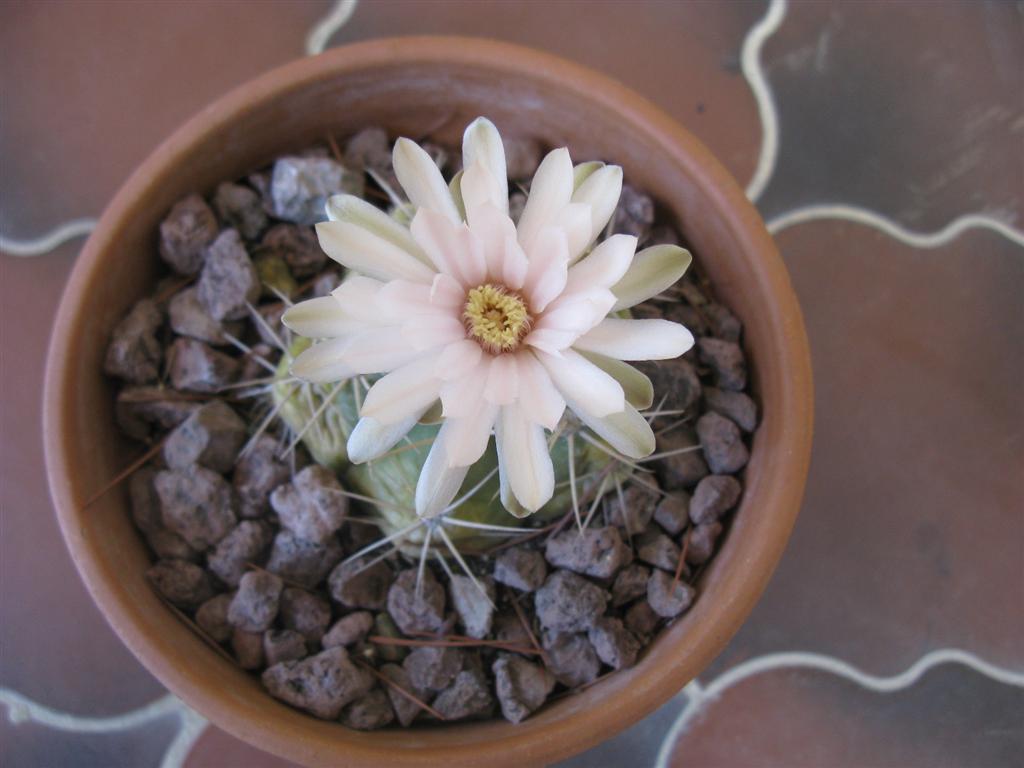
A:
{"x":698,"y":696}
{"x":46,"y":243}
{"x":21,"y":709}
{"x":324,"y":29}
{"x":916,"y":239}
{"x":192,"y":727}
{"x":750,"y":61}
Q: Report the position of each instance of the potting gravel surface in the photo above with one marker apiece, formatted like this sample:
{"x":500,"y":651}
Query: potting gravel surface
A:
{"x":863,"y":132}
{"x":258,"y":547}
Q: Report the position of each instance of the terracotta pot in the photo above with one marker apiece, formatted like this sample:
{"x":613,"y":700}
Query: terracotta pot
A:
{"x":421,"y":86}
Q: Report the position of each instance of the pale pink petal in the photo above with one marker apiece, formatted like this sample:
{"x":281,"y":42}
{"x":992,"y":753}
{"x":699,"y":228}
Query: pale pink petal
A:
{"x":373,"y":351}
{"x":550,"y":192}
{"x":502,"y":385}
{"x":406,"y":390}
{"x":457,"y":360}
{"x":514,"y":265}
{"x":323,"y":362}
{"x":446,"y":292}
{"x":636,"y":339}
{"x":494,"y":229}
{"x":482,"y":147}
{"x":468,"y":437}
{"x":407,"y":298}
{"x":540,"y":400}
{"x":548,"y":268}
{"x":525,"y":459}
{"x":452,"y":247}
{"x":422,"y":180}
{"x":355,"y":210}
{"x":580,"y":381}
{"x":461,"y":397}
{"x":604,"y":266}
{"x":371,"y":439}
{"x":369,"y":254}
{"x":434,"y":330}
{"x":574,"y":220}
{"x":438,"y":483}
{"x":600,"y":191}
{"x":322,"y":317}
{"x":480,"y":190}
{"x":551,"y":340}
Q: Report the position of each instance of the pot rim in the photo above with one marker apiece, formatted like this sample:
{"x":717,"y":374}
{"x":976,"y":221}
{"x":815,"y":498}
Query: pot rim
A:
{"x":533,"y":741}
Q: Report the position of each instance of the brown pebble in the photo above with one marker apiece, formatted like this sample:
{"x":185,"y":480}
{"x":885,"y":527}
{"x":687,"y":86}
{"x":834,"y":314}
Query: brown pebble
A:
{"x":406,"y":710}
{"x":241,"y":208}
{"x":657,"y":549}
{"x":369,"y":712}
{"x":676,"y":381}
{"x":571,"y":658}
{"x":298,"y":247}
{"x":630,"y":584}
{"x":468,"y":696}
{"x":190,"y":318}
{"x":248,"y":648}
{"x":304,"y":562}
{"x":702,"y":543}
{"x":139,"y":411}
{"x":432,"y":668}
{"x":184,"y":234}
{"x":680,"y":470}
{"x":634,"y":214}
{"x":639,"y":509}
{"x":641,"y":619}
{"x":522,"y":157}
{"x":134,"y":353}
{"x":509,"y":629}
{"x":722,"y":323}
{"x":615,"y":645}
{"x":735,"y":405}
{"x":145,"y":505}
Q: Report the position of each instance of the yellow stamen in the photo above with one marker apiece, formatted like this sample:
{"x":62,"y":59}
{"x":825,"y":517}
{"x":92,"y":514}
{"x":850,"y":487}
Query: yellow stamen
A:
{"x":496,"y":318}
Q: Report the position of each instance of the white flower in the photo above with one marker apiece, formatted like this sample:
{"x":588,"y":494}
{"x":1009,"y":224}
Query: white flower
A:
{"x":505,"y":325}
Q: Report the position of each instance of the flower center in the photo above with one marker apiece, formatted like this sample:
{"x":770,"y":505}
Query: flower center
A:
{"x":495,"y":317}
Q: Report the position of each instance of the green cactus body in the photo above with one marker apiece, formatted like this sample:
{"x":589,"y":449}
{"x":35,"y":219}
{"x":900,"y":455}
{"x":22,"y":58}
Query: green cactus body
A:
{"x":391,"y":479}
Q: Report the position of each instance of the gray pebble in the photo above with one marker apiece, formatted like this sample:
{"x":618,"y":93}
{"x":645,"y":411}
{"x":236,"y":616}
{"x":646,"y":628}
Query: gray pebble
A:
{"x":682,"y":469}
{"x":321,"y":685}
{"x":520,"y":568}
{"x":255,"y":605}
{"x":635,"y":213}
{"x":673,"y":512}
{"x":657,"y":549}
{"x":257,"y":473}
{"x":306,"y":613}
{"x":615,"y":645}
{"x":300,"y":187}
{"x":521,"y":687}
{"x":468,"y":696}
{"x":355,"y":585}
{"x":475,"y":609}
{"x":145,"y":506}
{"x":348,"y":630}
{"x":369,"y":712}
{"x":702,"y":543}
{"x":134,"y":353}
{"x":241,"y":208}
{"x":189,"y":318}
{"x":676,"y":380}
{"x":639,"y":509}
{"x":598,"y":552}
{"x":433,"y":668}
{"x":735,"y":405}
{"x":666,"y":601}
{"x":197,"y":504}
{"x":248,"y":649}
{"x":722,"y":323}
{"x":416,"y":613}
{"x":715,"y":495}
{"x":229,"y":281}
{"x":184,"y":584}
{"x":184,"y":234}
{"x":569,"y":603}
{"x":304,"y":562}
{"x":726,"y":360}
{"x":369,"y":148}
{"x":723,"y":445}
{"x":212,"y":437}
{"x":571,"y":658}
{"x":244,"y":545}
{"x":312,"y":505}
{"x":283,"y":645}
{"x":141,"y":410}
{"x":406,"y":710}
{"x":195,"y":367}
{"x":630,"y":584}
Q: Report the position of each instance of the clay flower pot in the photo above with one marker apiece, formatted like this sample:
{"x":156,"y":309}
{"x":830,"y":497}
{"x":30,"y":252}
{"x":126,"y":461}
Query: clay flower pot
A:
{"x":416,"y":86}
